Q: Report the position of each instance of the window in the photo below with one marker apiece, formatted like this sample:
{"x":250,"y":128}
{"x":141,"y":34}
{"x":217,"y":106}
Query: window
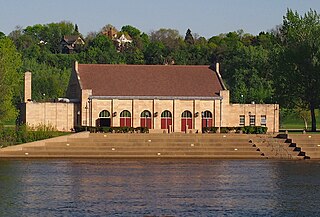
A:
{"x":252,"y":120}
{"x":125,"y":119}
{"x":263,"y":120}
{"x":104,"y":114}
{"x":206,"y":114}
{"x":145,"y":119}
{"x":186,"y":114}
{"x":242,"y":121}
{"x":166,"y":119}
{"x":166,"y":114}
{"x":206,"y":119}
{"x":125,"y":113}
{"x":145,"y":114}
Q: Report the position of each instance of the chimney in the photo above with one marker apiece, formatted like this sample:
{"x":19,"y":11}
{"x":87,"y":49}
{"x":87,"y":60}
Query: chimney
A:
{"x":27,"y":86}
{"x":75,"y":66}
{"x":218,"y":68}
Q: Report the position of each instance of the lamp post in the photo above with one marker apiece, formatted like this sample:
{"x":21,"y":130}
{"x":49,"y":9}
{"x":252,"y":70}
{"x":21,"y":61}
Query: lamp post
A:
{"x":86,"y":108}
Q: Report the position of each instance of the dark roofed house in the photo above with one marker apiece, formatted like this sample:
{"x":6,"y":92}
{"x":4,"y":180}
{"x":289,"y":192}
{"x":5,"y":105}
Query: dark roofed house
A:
{"x":70,"y":43}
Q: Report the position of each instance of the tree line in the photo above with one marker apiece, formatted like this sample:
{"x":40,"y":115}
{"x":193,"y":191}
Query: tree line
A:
{"x":277,"y":66}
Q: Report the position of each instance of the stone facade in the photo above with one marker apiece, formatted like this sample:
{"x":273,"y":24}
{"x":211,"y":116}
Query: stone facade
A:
{"x":61,"y":116}
{"x":87,"y":108}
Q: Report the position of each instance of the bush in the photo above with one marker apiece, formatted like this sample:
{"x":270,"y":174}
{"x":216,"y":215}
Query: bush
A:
{"x":246,"y":129}
{"x":209,"y":129}
{"x":254,"y":130}
{"x":112,"y":129}
{"x":23,"y":134}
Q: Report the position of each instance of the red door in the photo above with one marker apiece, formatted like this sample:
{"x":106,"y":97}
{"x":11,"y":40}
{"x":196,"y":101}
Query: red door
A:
{"x":145,"y":122}
{"x":125,"y":121}
{"x":186,"y":119}
{"x":185,"y":122}
{"x":206,"y":122}
{"x":166,"y":122}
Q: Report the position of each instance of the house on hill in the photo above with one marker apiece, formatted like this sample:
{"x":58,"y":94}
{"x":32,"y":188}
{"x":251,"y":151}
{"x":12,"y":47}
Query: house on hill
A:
{"x":121,"y":40}
{"x":168,"y":98}
{"x":71,"y":42}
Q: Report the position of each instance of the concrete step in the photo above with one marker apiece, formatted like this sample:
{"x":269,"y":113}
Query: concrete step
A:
{"x":121,"y":148}
{"x":146,"y":144}
{"x":135,"y":154}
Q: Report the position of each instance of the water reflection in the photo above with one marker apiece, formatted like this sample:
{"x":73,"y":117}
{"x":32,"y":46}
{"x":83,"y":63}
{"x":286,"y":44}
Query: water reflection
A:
{"x":159,"y":187}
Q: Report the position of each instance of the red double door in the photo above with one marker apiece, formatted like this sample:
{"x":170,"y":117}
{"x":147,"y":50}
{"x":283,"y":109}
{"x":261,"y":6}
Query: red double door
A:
{"x":206,"y":122}
{"x":184,"y":122}
{"x":125,"y":121}
{"x":145,"y":122}
{"x":166,"y":122}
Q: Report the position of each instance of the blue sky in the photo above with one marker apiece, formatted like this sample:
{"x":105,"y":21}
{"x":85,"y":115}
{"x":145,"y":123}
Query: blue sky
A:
{"x":204,"y":17}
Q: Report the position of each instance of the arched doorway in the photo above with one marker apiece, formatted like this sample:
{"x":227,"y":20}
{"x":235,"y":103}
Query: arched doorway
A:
{"x":145,"y":119}
{"x":104,"y":119}
{"x":206,"y":119}
{"x":186,"y":119}
{"x":125,"y":119}
{"x":166,"y":119}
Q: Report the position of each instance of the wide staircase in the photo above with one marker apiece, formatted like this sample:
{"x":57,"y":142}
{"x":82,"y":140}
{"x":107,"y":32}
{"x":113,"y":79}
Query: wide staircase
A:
{"x":174,"y":145}
{"x":279,"y":147}
{"x":308,"y":143}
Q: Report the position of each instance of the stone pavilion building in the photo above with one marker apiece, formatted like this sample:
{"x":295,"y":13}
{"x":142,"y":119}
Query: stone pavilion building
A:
{"x":164,"y":98}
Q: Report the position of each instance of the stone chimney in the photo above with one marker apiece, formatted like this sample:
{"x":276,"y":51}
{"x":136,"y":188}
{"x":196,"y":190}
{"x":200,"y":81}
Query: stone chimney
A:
{"x":218,"y":68}
{"x":27,"y":86}
{"x":75,"y":66}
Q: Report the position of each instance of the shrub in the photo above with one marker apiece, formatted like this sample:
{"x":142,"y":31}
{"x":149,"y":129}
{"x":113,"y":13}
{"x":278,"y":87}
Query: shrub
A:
{"x":112,"y":129}
{"x":254,"y":130}
{"x":23,"y":134}
{"x":209,"y":129}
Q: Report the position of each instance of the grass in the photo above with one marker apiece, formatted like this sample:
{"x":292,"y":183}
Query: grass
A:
{"x":293,"y":121}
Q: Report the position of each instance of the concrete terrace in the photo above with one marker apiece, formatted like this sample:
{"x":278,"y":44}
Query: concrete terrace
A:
{"x":175,"y":145}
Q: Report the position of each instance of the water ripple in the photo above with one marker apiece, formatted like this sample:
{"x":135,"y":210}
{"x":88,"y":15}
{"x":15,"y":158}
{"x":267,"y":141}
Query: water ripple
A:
{"x":159,"y":188}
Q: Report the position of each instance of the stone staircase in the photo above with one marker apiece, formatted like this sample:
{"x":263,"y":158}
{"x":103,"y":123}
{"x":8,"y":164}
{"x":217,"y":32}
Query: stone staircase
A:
{"x":279,"y":147}
{"x":308,"y":143}
{"x":175,"y":145}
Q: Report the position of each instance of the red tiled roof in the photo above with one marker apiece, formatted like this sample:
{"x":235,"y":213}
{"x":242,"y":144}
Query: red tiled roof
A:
{"x":149,"y":80}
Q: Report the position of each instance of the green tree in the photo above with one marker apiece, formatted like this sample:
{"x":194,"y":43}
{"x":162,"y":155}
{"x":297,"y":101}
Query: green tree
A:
{"x":47,"y":82}
{"x":248,"y":73}
{"x":298,"y":75}
{"x":10,"y":62}
{"x":155,"y":54}
{"x":170,"y":38}
{"x":100,"y":50}
{"x":189,"y":38}
{"x":132,"y":31}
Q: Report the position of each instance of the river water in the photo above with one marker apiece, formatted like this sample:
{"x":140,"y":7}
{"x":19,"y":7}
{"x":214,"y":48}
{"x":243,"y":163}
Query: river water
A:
{"x":101,"y":187}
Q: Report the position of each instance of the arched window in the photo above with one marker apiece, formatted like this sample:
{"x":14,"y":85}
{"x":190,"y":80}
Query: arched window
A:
{"x":186,"y":114}
{"x":145,"y":113}
{"x":104,"y":119}
{"x":186,"y":121}
{"x":166,"y":114}
{"x":104,"y":114}
{"x":125,"y":113}
{"x":166,"y":119}
{"x":145,"y":119}
{"x":125,"y":119}
{"x":206,"y":119}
